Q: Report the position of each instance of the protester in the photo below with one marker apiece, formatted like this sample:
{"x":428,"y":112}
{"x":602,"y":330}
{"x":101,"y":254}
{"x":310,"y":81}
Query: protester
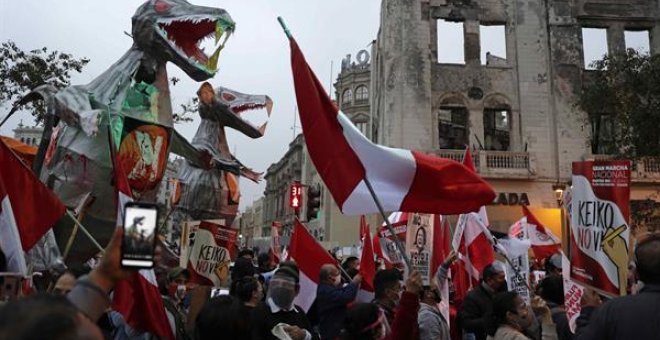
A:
{"x":432,"y":325}
{"x":242,"y":268}
{"x":551,"y":290}
{"x":387,"y":287}
{"x":332,"y":298}
{"x":278,"y":313}
{"x":477,"y":307}
{"x":64,"y":283}
{"x":368,"y":321}
{"x":265,"y":263}
{"x":351,"y":266}
{"x":72,"y":317}
{"x":246,"y":253}
{"x":511,"y":317}
{"x":553,"y":265}
{"x":220,"y":318}
{"x":177,"y":279}
{"x":629,"y":317}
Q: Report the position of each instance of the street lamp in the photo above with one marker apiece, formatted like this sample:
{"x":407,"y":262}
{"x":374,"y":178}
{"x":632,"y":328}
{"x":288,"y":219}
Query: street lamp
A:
{"x":558,"y":188}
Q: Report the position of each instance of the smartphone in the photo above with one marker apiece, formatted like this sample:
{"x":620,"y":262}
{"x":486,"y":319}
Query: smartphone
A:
{"x":139,"y":242}
{"x":219,"y":292}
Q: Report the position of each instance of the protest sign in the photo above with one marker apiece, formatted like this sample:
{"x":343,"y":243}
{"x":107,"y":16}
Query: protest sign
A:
{"x":517,"y":268}
{"x":419,"y":244}
{"x":600,"y":214}
{"x":212,"y":249}
{"x":572,"y":294}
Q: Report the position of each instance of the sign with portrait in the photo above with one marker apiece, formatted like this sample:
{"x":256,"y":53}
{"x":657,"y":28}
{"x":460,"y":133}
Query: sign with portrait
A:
{"x":600,"y":232}
{"x":419,"y":244}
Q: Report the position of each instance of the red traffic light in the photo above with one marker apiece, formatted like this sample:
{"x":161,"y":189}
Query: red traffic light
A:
{"x":295,"y":195}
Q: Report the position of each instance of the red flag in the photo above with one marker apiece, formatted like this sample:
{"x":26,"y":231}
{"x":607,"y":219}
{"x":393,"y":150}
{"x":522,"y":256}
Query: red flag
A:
{"x":410,"y":181}
{"x":364,"y":227}
{"x":367,"y":270}
{"x":544,"y":242}
{"x":137,"y":299}
{"x":310,"y":256}
{"x":27,"y":209}
{"x":467,"y":160}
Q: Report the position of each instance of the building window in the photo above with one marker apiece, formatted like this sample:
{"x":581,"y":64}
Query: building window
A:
{"x":602,"y":132}
{"x":594,"y":45}
{"x":497,"y":129}
{"x":451,"y":42}
{"x":453,"y":127}
{"x":493,"y":44}
{"x":637,"y":40}
{"x":347,"y":97}
{"x":361,"y":94}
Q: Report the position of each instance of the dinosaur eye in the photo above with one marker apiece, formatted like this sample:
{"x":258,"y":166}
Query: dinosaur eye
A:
{"x":228,"y":96}
{"x":161,"y":6}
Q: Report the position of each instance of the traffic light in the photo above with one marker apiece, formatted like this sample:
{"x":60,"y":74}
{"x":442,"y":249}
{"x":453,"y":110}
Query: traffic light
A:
{"x":313,"y":202}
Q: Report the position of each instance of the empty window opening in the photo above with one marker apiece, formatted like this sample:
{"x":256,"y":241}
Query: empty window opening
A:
{"x":638,"y":40}
{"x":493,"y":45}
{"x":603,"y":135}
{"x":453,"y":127}
{"x":451,"y":42}
{"x":594,"y":45}
{"x":362,"y":94}
{"x":497,"y":127}
{"x":347,"y":97}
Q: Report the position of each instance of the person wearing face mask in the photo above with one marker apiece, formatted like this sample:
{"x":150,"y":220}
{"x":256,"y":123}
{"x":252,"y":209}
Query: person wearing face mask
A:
{"x":332,"y":298}
{"x":387,"y":293}
{"x":478,"y":304}
{"x":177,"y":280}
{"x":432,"y":325}
{"x":511,"y":317}
{"x":278,"y":314}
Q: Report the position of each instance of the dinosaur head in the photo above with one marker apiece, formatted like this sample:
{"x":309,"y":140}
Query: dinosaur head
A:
{"x":226,"y":107}
{"x":172,"y":30}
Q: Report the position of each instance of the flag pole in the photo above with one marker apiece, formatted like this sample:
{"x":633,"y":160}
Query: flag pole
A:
{"x":397,"y":242}
{"x":84,"y":230}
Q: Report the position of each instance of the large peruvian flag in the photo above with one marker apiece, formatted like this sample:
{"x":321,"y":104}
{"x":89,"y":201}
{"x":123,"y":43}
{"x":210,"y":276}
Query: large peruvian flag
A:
{"x":404,"y":180}
{"x":138,"y":299}
{"x":310,"y":256}
{"x":27,"y":209}
{"x":544,"y":242}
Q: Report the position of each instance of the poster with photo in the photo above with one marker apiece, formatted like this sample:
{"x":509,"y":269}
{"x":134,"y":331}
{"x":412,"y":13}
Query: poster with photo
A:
{"x":600,"y":232}
{"x":419,"y":244}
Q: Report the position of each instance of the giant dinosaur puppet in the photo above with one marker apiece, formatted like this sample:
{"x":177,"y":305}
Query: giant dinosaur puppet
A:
{"x":131,"y":99}
{"x":213,"y":193}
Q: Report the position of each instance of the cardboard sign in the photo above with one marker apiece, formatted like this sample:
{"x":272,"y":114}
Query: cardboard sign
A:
{"x":387,"y":244}
{"x":212,"y":248}
{"x":600,"y":215}
{"x":517,"y":271}
{"x":419,"y":244}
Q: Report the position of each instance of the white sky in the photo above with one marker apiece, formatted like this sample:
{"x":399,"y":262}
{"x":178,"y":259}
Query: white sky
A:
{"x":255,"y":60}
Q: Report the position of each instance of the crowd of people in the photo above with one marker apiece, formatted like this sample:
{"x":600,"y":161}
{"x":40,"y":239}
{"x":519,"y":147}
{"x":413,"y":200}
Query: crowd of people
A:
{"x":259,"y":304}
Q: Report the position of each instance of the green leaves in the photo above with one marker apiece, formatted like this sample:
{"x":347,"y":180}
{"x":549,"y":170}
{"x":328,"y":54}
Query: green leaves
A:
{"x":21,"y":71}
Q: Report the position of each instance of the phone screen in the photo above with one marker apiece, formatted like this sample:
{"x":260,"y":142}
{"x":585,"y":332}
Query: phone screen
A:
{"x":219,"y":291}
{"x":139,"y":236}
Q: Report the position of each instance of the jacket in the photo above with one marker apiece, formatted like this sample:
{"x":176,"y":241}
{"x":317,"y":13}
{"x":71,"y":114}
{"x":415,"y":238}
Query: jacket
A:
{"x":628,"y":317}
{"x":432,"y":326}
{"x":331,"y":304}
{"x":476,"y":311}
{"x":504,"y":332}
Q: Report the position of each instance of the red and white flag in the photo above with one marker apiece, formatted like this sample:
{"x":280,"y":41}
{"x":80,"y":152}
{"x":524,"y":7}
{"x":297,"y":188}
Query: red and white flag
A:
{"x":27,"y":210}
{"x":138,"y":299}
{"x":473,"y":242}
{"x":364,"y":227}
{"x":404,"y":180}
{"x":309,"y":255}
{"x":367,"y":270}
{"x":544,"y":242}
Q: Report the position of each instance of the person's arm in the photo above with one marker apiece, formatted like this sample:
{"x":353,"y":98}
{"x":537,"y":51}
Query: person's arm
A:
{"x":443,"y":271}
{"x":90,"y":294}
{"x":405,"y":317}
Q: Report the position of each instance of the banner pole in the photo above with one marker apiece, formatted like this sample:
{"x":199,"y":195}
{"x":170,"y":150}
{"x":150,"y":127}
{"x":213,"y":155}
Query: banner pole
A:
{"x":397,"y":242}
{"x":84,"y":230}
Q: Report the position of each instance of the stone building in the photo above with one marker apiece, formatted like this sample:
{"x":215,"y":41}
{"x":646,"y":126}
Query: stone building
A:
{"x":28,"y":135}
{"x":516,"y":107}
{"x":251,"y":223}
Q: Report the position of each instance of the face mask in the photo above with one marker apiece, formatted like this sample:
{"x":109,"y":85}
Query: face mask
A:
{"x":180,"y":291}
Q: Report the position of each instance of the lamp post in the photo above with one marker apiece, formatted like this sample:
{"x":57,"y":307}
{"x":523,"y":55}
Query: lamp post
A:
{"x":558,"y":188}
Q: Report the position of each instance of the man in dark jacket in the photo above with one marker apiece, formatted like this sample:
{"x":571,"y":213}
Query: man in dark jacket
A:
{"x":332,"y":298}
{"x":478,"y":304}
{"x":633,"y":316}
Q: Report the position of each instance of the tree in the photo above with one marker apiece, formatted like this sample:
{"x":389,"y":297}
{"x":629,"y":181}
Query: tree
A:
{"x":22,"y":71}
{"x":622,"y":99}
{"x":188,"y":108}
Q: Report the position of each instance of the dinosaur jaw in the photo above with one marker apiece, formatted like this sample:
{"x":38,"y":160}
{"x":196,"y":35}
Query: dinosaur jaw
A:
{"x":185,"y":35}
{"x":244,"y":125}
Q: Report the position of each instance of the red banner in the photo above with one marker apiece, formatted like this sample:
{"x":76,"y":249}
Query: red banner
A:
{"x":600,"y":232}
{"x":212,"y":250}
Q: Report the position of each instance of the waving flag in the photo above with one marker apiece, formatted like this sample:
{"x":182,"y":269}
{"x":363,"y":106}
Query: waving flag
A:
{"x":137,"y":299}
{"x":544,"y":242}
{"x":310,"y":256}
{"x":27,"y":209}
{"x":404,"y":180}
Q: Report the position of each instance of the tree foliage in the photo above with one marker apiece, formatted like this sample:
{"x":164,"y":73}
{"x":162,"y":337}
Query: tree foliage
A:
{"x":22,"y":71}
{"x":190,"y":107}
{"x":622,"y":98}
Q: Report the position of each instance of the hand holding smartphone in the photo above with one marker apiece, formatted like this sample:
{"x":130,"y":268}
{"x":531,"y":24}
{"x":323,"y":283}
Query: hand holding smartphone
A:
{"x":139,"y":241}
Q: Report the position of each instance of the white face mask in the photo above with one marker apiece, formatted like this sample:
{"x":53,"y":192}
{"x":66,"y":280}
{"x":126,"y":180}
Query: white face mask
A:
{"x":180,"y":291}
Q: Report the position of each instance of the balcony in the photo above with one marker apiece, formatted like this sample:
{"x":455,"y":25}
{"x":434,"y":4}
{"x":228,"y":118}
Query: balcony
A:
{"x":495,"y":164}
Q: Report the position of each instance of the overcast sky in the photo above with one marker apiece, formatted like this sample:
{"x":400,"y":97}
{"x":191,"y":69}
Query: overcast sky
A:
{"x":255,"y":59}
